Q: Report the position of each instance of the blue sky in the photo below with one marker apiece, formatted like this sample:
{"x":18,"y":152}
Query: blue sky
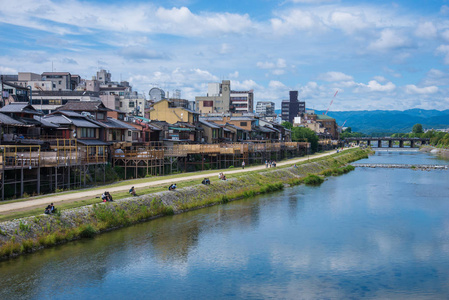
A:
{"x":377,"y":54}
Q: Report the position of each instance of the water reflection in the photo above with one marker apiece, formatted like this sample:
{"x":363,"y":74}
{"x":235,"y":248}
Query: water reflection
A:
{"x":379,"y":233}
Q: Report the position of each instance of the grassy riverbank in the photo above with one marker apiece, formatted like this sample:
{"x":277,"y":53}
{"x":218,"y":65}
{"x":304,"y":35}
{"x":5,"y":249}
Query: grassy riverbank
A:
{"x":36,"y":232}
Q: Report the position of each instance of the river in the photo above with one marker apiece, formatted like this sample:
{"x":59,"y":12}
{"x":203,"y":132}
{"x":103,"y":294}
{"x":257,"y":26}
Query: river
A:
{"x":374,"y":233}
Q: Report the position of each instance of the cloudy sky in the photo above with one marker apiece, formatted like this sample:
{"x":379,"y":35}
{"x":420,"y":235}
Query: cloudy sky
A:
{"x":377,"y":54}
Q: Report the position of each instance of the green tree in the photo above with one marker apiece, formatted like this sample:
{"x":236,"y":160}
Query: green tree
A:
{"x":417,"y":128}
{"x":287,"y":125}
{"x":303,"y":134}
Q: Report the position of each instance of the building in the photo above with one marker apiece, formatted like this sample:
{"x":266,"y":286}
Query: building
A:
{"x":265,"y":109}
{"x":221,"y":99}
{"x":218,"y":98}
{"x":164,"y":110}
{"x":292,"y":108}
{"x":241,"y":101}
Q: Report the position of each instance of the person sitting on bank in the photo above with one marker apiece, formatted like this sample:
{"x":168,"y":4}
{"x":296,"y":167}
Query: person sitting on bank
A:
{"x":104,"y":197}
{"x":50,"y":209}
{"x":205,"y":181}
{"x":132,"y":191}
{"x":220,"y":175}
{"x":172,"y":187}
{"x":223,"y":177}
{"x":108,"y":197}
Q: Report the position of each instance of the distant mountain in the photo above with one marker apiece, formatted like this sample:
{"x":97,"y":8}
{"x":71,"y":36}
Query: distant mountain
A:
{"x":390,"y":121}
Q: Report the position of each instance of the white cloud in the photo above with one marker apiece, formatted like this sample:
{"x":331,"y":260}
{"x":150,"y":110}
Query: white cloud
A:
{"x":426,"y":30}
{"x":274,"y":84}
{"x":445,"y":35}
{"x":390,"y":39}
{"x":436,"y":77}
{"x":245,"y":85}
{"x":279,"y":64}
{"x":295,"y":20}
{"x":132,"y":18}
{"x":444,"y":10}
{"x":334,"y":76}
{"x":374,"y":86}
{"x":380,"y":79}
{"x":234,"y":75}
{"x":413,"y":89}
{"x":278,"y":72}
{"x":7,"y":71}
{"x":348,"y":22}
{"x":444,"y":50}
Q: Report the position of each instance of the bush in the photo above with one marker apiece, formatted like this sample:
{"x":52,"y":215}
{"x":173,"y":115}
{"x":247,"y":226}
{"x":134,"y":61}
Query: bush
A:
{"x":87,"y":231}
{"x":313,"y":179}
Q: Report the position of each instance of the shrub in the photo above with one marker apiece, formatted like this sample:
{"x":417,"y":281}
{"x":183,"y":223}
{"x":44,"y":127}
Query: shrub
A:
{"x":87,"y":231}
{"x":313,"y":179}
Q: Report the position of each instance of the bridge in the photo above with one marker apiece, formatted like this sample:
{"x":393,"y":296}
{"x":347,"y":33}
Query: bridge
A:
{"x":414,"y":142}
{"x":403,"y":166}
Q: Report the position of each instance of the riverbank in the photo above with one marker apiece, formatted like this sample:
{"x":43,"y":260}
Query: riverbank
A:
{"x":30,"y":234}
{"x":443,"y":153}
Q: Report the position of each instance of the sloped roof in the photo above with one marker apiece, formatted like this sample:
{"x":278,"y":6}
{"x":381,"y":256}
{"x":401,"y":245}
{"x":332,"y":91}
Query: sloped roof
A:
{"x":14,"y":85}
{"x":58,"y":119}
{"x":19,"y":107}
{"x":84,"y":106}
{"x":68,"y":113}
{"x":7,"y":120}
{"x":209,"y":124}
{"x":83,"y":123}
{"x":119,"y":124}
{"x":45,"y":123}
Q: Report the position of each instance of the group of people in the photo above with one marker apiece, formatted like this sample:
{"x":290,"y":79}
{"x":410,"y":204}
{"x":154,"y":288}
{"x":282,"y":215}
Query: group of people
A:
{"x":172,"y":187}
{"x":205,"y":181}
{"x":106,"y":197}
{"x":221,"y":176}
{"x":50,"y":209}
{"x":270,"y":163}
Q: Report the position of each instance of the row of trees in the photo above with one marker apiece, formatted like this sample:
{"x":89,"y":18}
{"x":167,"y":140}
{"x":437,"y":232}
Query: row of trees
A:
{"x":437,"y":138}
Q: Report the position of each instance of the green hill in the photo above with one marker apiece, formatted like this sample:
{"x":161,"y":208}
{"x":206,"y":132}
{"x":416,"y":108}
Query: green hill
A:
{"x":379,"y":122}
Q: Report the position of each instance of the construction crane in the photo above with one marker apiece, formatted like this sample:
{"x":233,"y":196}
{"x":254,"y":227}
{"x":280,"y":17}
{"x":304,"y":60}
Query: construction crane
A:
{"x":331,"y":103}
{"x":343,"y":124}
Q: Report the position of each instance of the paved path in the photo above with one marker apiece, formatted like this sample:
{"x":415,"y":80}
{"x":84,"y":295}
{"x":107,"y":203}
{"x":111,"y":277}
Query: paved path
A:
{"x":58,"y":198}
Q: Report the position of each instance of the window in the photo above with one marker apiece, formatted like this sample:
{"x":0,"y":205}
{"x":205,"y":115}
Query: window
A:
{"x":243,"y":124}
{"x":59,"y":82}
{"x":129,"y":133}
{"x":87,"y":132}
{"x":208,"y":103}
{"x":100,"y":116}
{"x":131,"y":104}
{"x":121,"y":104}
{"x":54,"y":85}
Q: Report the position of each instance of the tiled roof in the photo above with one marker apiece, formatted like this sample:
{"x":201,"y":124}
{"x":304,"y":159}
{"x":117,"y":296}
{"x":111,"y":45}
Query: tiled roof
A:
{"x":19,"y":107}
{"x":6,"y":120}
{"x":84,"y":106}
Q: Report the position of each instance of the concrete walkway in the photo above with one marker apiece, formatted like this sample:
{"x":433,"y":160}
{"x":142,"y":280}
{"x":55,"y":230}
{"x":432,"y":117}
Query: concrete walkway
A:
{"x":58,"y":198}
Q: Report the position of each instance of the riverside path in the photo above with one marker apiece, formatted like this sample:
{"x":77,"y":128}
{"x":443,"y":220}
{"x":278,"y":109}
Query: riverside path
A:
{"x":91,"y":193}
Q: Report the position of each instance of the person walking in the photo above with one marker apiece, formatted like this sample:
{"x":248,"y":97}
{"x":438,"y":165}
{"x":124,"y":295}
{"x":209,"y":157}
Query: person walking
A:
{"x":243,"y":164}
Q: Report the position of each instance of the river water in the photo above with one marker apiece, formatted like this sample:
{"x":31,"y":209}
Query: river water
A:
{"x":374,"y":233}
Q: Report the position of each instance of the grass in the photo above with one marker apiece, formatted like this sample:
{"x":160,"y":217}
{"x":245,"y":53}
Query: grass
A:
{"x":112,"y":215}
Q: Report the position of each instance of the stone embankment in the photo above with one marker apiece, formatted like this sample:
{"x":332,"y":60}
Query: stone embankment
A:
{"x":403,"y":166}
{"x":34,"y":233}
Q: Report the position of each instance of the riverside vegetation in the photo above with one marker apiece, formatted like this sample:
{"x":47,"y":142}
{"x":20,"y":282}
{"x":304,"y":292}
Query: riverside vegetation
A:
{"x":30,"y":234}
